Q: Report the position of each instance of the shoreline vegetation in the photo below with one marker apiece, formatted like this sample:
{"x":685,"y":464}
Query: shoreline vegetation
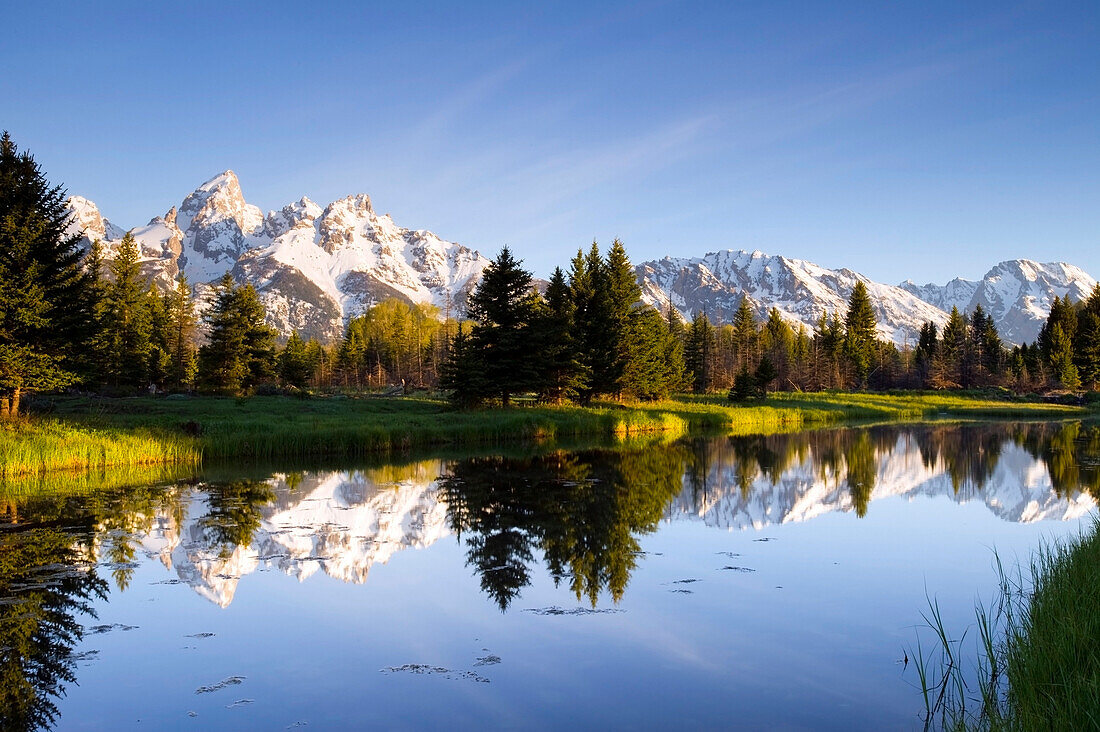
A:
{"x":94,"y":433}
{"x":1035,"y":654}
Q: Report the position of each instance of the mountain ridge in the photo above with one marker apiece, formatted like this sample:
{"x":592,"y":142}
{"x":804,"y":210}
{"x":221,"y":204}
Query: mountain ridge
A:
{"x":316,"y":266}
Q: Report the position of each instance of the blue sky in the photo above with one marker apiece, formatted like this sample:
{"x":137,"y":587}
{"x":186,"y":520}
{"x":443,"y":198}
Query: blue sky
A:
{"x":925,"y":140}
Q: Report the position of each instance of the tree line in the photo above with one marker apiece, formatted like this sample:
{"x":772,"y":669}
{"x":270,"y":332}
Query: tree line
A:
{"x":72,"y":318}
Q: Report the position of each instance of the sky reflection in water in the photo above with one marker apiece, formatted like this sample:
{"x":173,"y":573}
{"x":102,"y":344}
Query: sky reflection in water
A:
{"x":766,"y":581}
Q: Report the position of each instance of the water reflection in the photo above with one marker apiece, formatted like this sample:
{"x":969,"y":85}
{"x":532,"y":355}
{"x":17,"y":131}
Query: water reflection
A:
{"x":576,"y":515}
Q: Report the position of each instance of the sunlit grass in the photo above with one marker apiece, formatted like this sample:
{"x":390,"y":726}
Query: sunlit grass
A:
{"x":83,"y":432}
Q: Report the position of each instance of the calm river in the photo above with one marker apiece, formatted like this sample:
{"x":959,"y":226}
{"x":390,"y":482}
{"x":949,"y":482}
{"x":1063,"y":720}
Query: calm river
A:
{"x":757,"y":582}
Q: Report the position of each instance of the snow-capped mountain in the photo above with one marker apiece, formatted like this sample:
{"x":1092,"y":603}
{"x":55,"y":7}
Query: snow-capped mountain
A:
{"x":802,"y":291}
{"x":313,"y":266}
{"x":1017,"y":293}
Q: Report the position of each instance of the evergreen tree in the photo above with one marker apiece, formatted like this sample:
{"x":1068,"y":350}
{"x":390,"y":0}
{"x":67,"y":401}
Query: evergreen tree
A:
{"x":653,"y":363}
{"x":1061,"y":357}
{"x":126,"y":322}
{"x":240,"y":350}
{"x":953,"y":347}
{"x":589,"y":292}
{"x":463,"y":372}
{"x":623,"y":296}
{"x":504,"y":307}
{"x":1062,"y":313}
{"x":860,"y":332}
{"x":45,"y":293}
{"x":699,"y":353}
{"x":564,"y":374}
{"x":777,"y":341}
{"x":160,"y":359}
{"x":989,"y":350}
{"x":1087,"y":341}
{"x":295,"y":366}
{"x":765,"y":373}
{"x":180,"y":340}
{"x":745,"y":335}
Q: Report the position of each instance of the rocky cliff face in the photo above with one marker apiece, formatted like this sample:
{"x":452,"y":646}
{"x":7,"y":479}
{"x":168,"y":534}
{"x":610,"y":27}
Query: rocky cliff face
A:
{"x":1016,"y":293}
{"x":313,"y":267}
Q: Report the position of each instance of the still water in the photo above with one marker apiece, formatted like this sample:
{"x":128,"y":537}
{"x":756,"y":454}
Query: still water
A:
{"x":749,"y":582}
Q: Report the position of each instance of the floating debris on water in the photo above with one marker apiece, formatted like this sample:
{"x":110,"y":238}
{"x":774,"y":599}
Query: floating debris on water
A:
{"x":684,"y":581}
{"x":683,"y":591}
{"x":85,"y":656}
{"x":239,"y":703}
{"x":224,"y":683}
{"x":731,"y":568}
{"x":97,"y":629}
{"x":489,"y":660}
{"x":731,"y":555}
{"x":766,"y":538}
{"x":168,"y":582}
{"x":555,"y":610}
{"x":423,"y":668}
{"x":201,"y":635}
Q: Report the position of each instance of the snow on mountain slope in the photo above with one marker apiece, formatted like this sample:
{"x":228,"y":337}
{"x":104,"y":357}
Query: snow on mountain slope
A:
{"x":313,"y":267}
{"x":316,"y":266}
{"x":802,"y":291}
{"x":1017,"y":293}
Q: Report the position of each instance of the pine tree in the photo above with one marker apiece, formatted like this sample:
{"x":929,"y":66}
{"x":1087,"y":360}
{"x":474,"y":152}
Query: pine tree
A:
{"x":505,"y":307}
{"x":180,"y":339}
{"x":953,"y":347}
{"x":564,"y":375}
{"x":745,"y":336}
{"x":463,"y":372}
{"x":45,"y":296}
{"x":651,"y":369}
{"x":295,"y":367}
{"x":1061,"y":357}
{"x":699,"y":353}
{"x":623,"y":296}
{"x":126,"y":321}
{"x":860,"y":332}
{"x":240,"y":350}
{"x":1087,"y":341}
{"x":1062,"y":313}
{"x":589,"y":291}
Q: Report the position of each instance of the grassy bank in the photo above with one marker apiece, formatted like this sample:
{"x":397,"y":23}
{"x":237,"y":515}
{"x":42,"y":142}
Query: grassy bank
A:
{"x":1038,"y":650}
{"x":86,"y":432}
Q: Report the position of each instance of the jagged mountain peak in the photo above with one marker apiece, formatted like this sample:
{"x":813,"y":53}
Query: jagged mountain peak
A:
{"x":1016,"y":292}
{"x":313,"y":265}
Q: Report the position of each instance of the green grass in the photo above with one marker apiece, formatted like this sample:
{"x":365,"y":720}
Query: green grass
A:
{"x":88,"y":432}
{"x":1038,"y":650}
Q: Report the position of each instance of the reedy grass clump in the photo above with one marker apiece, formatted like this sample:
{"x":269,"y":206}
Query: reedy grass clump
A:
{"x":1035,"y":660}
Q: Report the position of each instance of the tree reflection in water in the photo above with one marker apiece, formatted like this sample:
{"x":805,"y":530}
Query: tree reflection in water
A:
{"x":45,"y":587}
{"x":583,"y":511}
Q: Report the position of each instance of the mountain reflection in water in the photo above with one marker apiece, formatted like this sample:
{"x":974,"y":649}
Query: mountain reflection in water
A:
{"x":578,"y":513}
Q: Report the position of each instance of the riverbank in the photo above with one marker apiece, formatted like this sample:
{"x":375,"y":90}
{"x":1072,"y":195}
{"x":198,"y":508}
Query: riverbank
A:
{"x":1038,"y":650}
{"x":92,"y":432}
